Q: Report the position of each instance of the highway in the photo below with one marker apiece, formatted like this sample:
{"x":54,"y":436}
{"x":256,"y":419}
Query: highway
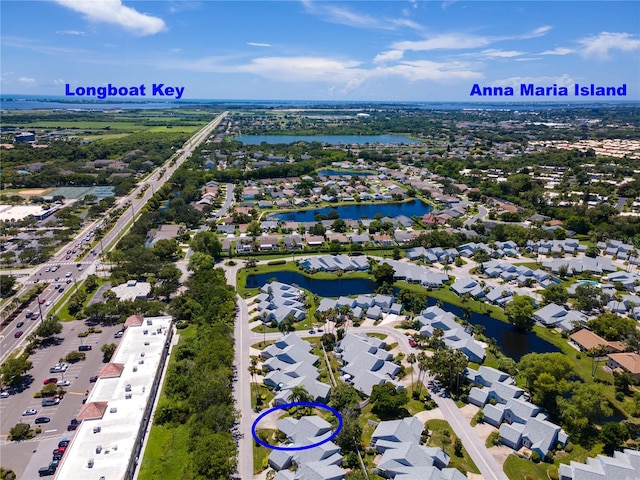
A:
{"x":68,"y":262}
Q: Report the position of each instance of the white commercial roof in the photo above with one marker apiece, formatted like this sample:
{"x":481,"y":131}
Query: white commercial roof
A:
{"x":128,"y":399}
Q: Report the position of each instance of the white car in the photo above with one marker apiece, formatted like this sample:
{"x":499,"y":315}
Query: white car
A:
{"x":30,"y":411}
{"x":47,"y":303}
{"x":68,"y":274}
{"x":4,"y":394}
{"x":63,"y":383}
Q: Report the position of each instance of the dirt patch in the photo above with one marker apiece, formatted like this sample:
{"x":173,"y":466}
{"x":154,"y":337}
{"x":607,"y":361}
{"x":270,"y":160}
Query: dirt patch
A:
{"x":483,"y":430}
{"x":33,"y":191}
{"x":500,"y":453}
{"x":469,"y":411}
{"x":426,"y":415}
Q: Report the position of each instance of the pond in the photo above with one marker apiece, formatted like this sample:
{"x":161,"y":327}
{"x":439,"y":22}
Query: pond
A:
{"x":332,"y":139}
{"x":337,"y":173}
{"x":512,"y":343}
{"x":322,"y":288}
{"x":356,"y":212}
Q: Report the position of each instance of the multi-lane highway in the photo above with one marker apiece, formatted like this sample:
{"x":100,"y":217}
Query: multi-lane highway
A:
{"x":74,"y":263}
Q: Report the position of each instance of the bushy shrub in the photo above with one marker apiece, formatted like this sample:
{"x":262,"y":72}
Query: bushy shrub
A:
{"x":568,"y":447}
{"x":535,"y":457}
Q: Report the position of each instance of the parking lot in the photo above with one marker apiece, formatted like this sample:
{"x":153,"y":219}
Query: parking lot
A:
{"x":26,"y":457}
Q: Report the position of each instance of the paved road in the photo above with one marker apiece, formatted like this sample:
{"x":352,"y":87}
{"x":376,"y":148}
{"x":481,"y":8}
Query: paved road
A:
{"x":482,"y":213}
{"x":242,"y":385}
{"x":89,"y":263}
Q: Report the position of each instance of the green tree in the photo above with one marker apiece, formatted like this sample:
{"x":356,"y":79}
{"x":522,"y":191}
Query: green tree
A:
{"x":13,"y":369}
{"x":339,"y":226}
{"x":48,"y":328}
{"x":207,"y":242}
{"x":546,"y":376}
{"x":350,"y":436}
{"x":588,"y":297}
{"x":254,"y":230}
{"x":21,"y":431}
{"x":387,"y":400}
{"x":214,"y":456}
{"x":555,"y":293}
{"x":384,"y":273}
{"x":611,"y":326}
{"x":166,"y":248}
{"x":448,"y":366}
{"x":107,"y":351}
{"x":91,"y":283}
{"x":613,"y":434}
{"x":344,"y":397}
{"x":587,"y":405}
{"x":7,"y":283}
{"x":519,"y":312}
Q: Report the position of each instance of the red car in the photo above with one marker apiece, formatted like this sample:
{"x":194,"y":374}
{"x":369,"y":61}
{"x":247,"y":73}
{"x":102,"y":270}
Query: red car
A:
{"x":412,"y":342}
{"x":18,"y":334}
{"x":51,"y":380}
{"x":41,"y":300}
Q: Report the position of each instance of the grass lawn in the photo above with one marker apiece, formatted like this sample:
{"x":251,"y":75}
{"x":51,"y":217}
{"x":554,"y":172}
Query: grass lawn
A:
{"x":260,"y":453}
{"x":442,"y":436}
{"x":264,"y":393}
{"x":167,"y":451}
{"x":518,"y":468}
{"x":166,"y":454}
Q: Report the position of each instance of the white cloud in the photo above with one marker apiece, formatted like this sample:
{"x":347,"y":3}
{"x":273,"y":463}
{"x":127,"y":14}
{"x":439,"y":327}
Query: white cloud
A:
{"x":388,"y":56}
{"x":258,"y":44}
{"x":70,"y":32}
{"x":494,"y":53}
{"x":462,"y":41}
{"x":599,"y":46}
{"x":445,"y":41}
{"x":58,"y":81}
{"x":344,"y":16}
{"x":27,"y":80}
{"x":561,"y":81}
{"x":427,"y":70}
{"x":114,"y":12}
{"x":558,"y":51}
{"x":303,"y":69}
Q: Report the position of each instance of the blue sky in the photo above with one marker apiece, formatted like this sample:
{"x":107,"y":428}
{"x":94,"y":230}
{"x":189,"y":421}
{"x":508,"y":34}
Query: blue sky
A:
{"x":331,"y":50}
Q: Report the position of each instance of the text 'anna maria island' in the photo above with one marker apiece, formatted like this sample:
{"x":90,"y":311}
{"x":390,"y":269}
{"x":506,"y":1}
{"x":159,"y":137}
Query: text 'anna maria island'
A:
{"x":532,"y":90}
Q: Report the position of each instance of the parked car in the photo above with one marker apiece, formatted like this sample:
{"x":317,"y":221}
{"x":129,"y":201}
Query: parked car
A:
{"x":18,"y":334}
{"x":29,"y":411}
{"x":42,"y":420}
{"x":46,"y":471}
{"x":50,"y":380}
{"x":65,"y":441}
{"x":63,"y":383}
{"x":118,"y":334}
{"x":84,"y":348}
{"x":4,"y":394}
{"x":93,"y":379}
{"x":50,"y":402}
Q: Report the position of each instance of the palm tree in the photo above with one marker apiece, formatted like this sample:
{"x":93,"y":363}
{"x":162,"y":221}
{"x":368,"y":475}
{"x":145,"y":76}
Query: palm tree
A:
{"x":299,"y":393}
{"x":423,"y":366}
{"x":411,"y":358}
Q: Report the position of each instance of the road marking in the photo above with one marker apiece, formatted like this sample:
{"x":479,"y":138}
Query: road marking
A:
{"x":48,"y":431}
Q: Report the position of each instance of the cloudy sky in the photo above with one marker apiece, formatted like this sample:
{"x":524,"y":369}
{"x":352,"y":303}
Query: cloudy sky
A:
{"x":318,"y":50}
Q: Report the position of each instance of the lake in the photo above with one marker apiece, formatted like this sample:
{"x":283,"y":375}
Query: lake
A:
{"x":332,"y":139}
{"x":356,"y":212}
{"x":512,"y":343}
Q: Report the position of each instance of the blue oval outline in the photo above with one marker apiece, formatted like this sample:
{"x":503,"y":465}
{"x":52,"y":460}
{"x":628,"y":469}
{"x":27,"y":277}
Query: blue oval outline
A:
{"x":296,"y":404}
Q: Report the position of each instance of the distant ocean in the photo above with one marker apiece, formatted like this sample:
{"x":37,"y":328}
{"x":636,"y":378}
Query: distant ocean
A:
{"x":34,"y":102}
